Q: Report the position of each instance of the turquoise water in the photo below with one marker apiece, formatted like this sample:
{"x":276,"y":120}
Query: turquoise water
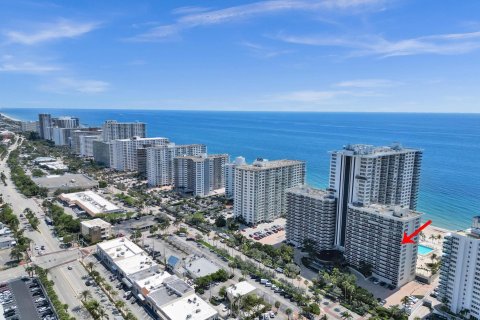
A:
{"x":424,"y":250}
{"x":450,"y":180}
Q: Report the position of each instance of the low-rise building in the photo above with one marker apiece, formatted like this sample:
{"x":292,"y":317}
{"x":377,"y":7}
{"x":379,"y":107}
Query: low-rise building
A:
{"x":198,"y":267}
{"x":240,"y":290}
{"x":189,"y":307}
{"x":65,"y":182}
{"x":90,"y":202}
{"x":96,"y":230}
{"x":124,"y":257}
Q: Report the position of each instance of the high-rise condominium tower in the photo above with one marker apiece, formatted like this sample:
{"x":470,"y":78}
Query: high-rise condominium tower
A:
{"x":160,"y":169}
{"x":310,"y":215}
{"x":124,"y":155}
{"x":459,"y":285}
{"x":113,"y":130}
{"x":44,"y":125}
{"x":230,"y":176}
{"x":260,"y":188}
{"x":373,"y":238}
{"x":200,"y":175}
{"x":364,"y":174}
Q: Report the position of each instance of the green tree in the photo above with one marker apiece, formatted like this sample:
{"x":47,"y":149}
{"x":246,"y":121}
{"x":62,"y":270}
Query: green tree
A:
{"x":346,"y":315}
{"x":288,"y":312}
{"x":85,"y":295}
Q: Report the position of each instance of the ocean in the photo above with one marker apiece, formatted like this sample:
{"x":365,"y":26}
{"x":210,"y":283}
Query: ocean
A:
{"x":450,"y":180}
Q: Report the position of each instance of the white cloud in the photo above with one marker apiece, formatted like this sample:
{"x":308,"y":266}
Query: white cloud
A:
{"x":310,"y":96}
{"x":65,"y":84}
{"x":444,"y":44}
{"x":26,"y":67}
{"x":262,"y":51}
{"x":49,"y":32}
{"x":235,"y":13}
{"x":368,"y":83}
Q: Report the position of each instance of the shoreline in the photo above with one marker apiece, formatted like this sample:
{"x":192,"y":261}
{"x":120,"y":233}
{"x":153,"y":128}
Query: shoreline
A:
{"x":9,"y":117}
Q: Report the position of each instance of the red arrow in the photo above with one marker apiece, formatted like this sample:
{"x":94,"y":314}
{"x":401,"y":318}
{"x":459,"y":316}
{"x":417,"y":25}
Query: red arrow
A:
{"x":409,"y":238}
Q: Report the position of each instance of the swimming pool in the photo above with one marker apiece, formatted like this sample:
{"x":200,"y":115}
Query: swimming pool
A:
{"x":424,"y":250}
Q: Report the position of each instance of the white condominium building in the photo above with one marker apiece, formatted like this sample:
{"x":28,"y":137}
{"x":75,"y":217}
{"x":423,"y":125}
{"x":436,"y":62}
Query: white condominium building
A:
{"x":373,"y":238}
{"x":113,"y":130}
{"x":366,"y":174}
{"x":459,"y":287}
{"x":160,"y":168}
{"x":200,"y":175}
{"x":76,"y":134}
{"x":124,"y":156}
{"x":86,"y":145}
{"x":260,"y":188}
{"x":66,"y":122}
{"x":310,"y":215}
{"x":44,"y":125}
{"x":29,"y":126}
{"x":230,"y":176}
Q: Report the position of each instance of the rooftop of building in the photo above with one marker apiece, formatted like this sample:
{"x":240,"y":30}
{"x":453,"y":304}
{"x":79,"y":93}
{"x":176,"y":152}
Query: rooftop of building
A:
{"x":119,"y":248}
{"x":474,"y":231}
{"x":44,"y":159}
{"x":65,"y":181}
{"x":388,"y":211}
{"x":199,"y":266}
{"x":204,"y":156}
{"x":89,"y":201}
{"x":136,"y":138}
{"x":191,"y":307}
{"x":263,"y":164}
{"x":171,"y":289}
{"x":95,"y":223}
{"x":148,"y":283}
{"x":240,"y":289}
{"x":311,"y":192}
{"x":370,"y":150}
{"x":136,"y":263}
{"x":116,"y":122}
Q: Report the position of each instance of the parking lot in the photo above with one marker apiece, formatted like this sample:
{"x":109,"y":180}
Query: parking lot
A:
{"x":271,"y":233}
{"x":24,"y":299}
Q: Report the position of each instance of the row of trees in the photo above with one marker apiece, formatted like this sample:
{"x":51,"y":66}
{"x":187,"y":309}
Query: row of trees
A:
{"x":92,"y":306}
{"x":32,"y":218}
{"x":64,"y":224}
{"x":21,"y":180}
{"x":20,"y":250}
{"x":203,"y":283}
{"x":60,"y":308}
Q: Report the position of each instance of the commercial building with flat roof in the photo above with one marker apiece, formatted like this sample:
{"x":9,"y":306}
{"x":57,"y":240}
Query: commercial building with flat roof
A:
{"x":374,"y":238}
{"x":65,"y":182}
{"x":459,"y":285}
{"x":310,"y":215}
{"x":240,"y":290}
{"x":260,"y":188}
{"x":189,"y":307}
{"x":197,"y":267}
{"x":96,"y":230}
{"x":90,"y":202}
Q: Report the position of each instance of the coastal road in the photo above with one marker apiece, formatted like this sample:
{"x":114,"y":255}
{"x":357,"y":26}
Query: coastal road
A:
{"x":41,"y":237}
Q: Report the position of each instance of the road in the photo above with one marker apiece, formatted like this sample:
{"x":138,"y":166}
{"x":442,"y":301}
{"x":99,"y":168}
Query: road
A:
{"x":41,"y":237}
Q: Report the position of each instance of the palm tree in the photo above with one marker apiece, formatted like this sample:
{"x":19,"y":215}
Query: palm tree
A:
{"x":119,"y":304}
{"x":288,"y":312}
{"x":324,"y":317}
{"x":405,"y":301}
{"x":85,"y":295}
{"x":102,"y":314}
{"x":90,"y":266}
{"x":433,"y":257}
{"x":346,"y":315}
{"x":108,"y":287}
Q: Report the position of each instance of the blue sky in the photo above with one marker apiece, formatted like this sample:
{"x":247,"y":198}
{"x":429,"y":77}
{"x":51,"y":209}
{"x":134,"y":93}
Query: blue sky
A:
{"x":286,"y":55}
